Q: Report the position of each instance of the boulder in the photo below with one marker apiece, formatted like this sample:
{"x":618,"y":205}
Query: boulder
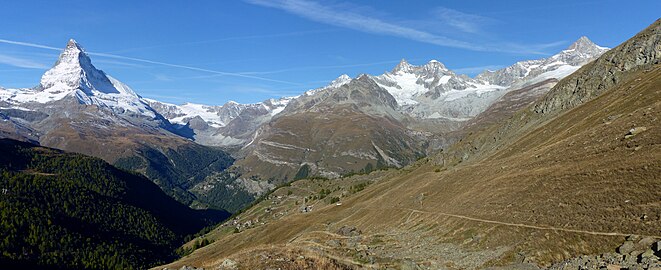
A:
{"x":333,"y":243}
{"x":646,"y":242}
{"x":648,"y":254}
{"x":228,"y":265}
{"x":626,"y":248}
{"x":348,"y":231}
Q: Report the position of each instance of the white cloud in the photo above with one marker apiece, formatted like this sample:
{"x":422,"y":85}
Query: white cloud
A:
{"x":343,"y":17}
{"x":469,"y":23}
{"x":348,"y":19}
{"x":20,"y":62}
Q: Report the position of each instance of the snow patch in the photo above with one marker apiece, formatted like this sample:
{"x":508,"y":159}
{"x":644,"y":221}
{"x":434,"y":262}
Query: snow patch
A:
{"x":191,"y":110}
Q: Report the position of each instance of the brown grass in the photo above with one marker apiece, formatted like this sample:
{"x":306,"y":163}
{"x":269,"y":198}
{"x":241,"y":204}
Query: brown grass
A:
{"x":576,"y":172}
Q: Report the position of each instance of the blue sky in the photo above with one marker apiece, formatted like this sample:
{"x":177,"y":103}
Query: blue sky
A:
{"x":210,"y":52}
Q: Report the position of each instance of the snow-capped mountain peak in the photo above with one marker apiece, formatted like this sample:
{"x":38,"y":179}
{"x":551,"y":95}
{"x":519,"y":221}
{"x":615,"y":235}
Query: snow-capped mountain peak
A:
{"x":557,"y":66}
{"x":74,"y":69}
{"x":339,"y":81}
{"x":74,"y":76}
{"x":584,"y":43}
{"x":580,"y":52}
{"x":434,"y":68}
{"x":403,"y":66}
{"x":407,"y":82}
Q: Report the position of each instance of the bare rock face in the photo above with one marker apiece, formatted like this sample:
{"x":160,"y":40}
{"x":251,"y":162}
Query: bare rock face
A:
{"x":197,"y":123}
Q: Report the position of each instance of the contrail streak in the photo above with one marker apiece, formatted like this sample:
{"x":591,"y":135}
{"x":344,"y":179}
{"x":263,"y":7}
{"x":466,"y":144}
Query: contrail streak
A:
{"x":33,"y":45}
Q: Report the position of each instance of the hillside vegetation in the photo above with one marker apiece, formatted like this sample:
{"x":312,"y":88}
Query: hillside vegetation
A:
{"x":70,"y":211}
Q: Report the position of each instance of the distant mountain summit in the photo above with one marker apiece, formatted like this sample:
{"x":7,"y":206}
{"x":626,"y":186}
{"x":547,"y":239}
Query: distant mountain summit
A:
{"x":559,"y":65}
{"x":79,"y":108}
{"x":75,"y":77}
{"x":74,"y":69}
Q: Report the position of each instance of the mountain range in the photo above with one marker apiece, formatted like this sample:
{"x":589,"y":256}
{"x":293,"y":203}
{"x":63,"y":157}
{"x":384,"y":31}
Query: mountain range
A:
{"x":352,"y":125}
{"x":418,"y":167}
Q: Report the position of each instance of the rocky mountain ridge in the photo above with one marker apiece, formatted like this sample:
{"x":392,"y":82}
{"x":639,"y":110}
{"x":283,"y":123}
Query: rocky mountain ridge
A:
{"x":430,"y":91}
{"x":397,"y":117}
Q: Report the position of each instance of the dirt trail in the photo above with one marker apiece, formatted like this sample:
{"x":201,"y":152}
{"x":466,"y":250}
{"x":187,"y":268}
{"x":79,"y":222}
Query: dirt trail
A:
{"x":520,"y":225}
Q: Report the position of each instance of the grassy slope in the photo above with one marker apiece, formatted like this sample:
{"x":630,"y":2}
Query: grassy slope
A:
{"x":577,"y":172}
{"x":534,"y":188}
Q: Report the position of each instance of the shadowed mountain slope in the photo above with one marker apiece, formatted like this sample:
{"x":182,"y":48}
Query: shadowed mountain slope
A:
{"x":70,"y":211}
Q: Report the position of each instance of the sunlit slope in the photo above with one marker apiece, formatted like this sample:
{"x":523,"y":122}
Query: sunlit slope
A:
{"x":572,"y":174}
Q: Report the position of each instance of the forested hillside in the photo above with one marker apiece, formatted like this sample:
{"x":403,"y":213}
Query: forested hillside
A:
{"x":70,"y":211}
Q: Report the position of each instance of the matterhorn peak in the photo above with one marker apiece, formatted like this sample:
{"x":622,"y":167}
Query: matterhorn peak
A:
{"x":403,"y":66}
{"x":74,"y":44}
{"x":73,"y":53}
{"x":74,"y":70}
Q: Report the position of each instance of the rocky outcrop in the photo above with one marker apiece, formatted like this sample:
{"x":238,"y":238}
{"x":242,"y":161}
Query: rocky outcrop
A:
{"x":635,"y":253}
{"x":641,"y":51}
